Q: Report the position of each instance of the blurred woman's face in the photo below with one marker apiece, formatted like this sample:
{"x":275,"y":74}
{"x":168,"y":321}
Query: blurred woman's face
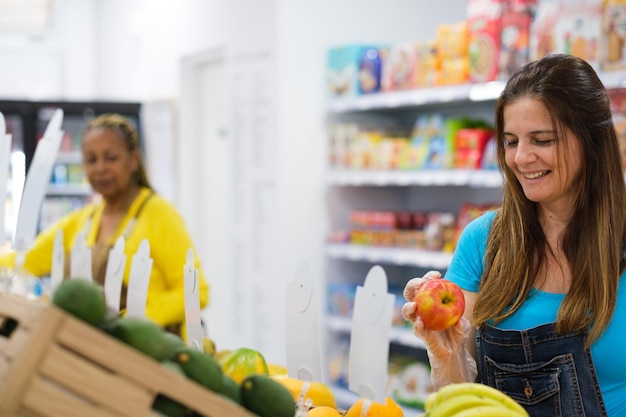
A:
{"x":532,"y":153}
{"x":109,"y":165}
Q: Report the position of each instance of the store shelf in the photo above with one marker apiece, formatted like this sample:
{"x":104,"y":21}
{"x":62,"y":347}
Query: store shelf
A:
{"x":392,"y":255}
{"x":398,"y":335}
{"x":69,"y":190}
{"x":441,"y":177}
{"x":440,"y":95}
{"x":417,"y":97}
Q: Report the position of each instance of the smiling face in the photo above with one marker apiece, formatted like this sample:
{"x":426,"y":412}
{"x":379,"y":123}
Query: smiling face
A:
{"x":532,"y":153}
{"x":109,"y":164}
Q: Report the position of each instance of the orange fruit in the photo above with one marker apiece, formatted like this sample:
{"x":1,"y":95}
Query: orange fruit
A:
{"x":319,"y":393}
{"x":365,"y":407}
{"x":244,"y":362}
{"x":324,"y":411}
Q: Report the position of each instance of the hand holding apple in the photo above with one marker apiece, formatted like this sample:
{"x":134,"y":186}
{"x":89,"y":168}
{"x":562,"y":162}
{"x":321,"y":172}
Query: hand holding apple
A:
{"x":440,"y":304}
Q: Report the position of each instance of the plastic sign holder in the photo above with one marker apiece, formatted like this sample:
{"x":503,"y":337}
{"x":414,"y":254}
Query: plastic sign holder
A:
{"x":193,"y":322}
{"x":57,"y":270}
{"x":36,"y":182}
{"x":138,"y":280}
{"x":114,"y":275}
{"x":80,"y":259}
{"x":369,"y":340}
{"x":5,"y":154}
{"x":302,"y":327}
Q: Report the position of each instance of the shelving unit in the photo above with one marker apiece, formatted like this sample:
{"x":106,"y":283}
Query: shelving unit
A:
{"x":399,"y":190}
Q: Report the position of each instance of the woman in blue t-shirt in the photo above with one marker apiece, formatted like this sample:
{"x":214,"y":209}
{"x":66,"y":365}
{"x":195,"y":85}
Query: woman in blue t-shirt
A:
{"x":542,"y":275}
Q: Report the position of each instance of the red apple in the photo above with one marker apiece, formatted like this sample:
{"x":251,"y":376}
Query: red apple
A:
{"x":440,"y":304}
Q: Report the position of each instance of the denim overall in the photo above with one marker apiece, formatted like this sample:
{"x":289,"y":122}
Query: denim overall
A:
{"x":549,"y":375}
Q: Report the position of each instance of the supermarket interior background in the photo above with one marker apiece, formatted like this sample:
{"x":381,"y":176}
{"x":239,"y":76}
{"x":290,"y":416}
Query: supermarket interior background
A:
{"x":237,"y":118}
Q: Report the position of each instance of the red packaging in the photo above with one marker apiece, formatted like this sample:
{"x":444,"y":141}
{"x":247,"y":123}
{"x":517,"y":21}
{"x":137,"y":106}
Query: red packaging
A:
{"x":484,"y":18}
{"x":470,"y":145}
{"x":515,"y":36}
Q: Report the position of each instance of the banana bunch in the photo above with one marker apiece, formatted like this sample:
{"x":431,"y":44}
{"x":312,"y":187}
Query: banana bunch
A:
{"x":469,"y":399}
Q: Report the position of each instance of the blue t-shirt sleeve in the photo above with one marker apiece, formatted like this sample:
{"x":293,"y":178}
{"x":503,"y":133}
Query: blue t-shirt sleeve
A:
{"x":468,"y":260}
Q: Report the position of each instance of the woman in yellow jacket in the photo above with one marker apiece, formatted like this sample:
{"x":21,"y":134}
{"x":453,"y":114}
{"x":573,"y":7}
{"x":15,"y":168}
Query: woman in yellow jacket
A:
{"x":130,"y":208}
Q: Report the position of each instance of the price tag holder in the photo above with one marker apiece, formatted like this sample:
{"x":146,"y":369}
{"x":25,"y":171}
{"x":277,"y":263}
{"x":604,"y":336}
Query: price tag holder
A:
{"x":302,"y":327}
{"x":193,"y":322}
{"x":58,"y":262}
{"x":36,"y":182}
{"x":5,"y":153}
{"x":140,"y":270}
{"x":369,"y":340}
{"x":80,"y":259}
{"x":114,"y":275}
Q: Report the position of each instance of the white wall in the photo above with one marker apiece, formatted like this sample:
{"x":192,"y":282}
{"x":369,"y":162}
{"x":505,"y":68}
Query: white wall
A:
{"x":58,"y":62}
{"x":132,"y":50}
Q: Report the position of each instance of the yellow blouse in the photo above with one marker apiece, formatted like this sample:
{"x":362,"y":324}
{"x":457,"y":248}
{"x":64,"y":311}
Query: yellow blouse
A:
{"x":159,"y":223}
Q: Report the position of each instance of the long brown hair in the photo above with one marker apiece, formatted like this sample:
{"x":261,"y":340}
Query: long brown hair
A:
{"x":595,"y":238}
{"x":127,"y":131}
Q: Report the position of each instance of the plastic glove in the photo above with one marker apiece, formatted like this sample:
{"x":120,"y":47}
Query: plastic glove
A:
{"x":450,"y":362}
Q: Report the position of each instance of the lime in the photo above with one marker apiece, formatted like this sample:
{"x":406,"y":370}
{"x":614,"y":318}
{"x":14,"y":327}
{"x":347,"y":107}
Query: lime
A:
{"x":243,"y":362}
{"x":81,"y":298}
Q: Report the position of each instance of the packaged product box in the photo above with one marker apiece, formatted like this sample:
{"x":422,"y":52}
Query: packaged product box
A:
{"x":426,"y":68}
{"x":470,"y":146}
{"x":451,"y":40}
{"x":340,"y":299}
{"x":342,"y":141}
{"x":562,"y":26}
{"x":431,"y":145}
{"x":452,"y":53}
{"x":399,"y":67}
{"x":371,"y":64}
{"x":515,"y":36}
{"x":484,"y":19}
{"x":613,"y":41}
{"x":363,"y":148}
{"x":353,"y":69}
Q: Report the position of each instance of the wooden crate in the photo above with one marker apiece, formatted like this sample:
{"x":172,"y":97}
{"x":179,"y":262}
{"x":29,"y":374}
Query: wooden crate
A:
{"x":53,"y":365}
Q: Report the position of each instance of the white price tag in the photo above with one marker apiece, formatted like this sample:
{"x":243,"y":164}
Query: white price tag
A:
{"x":369,"y":340}
{"x":80,"y":259}
{"x":36,"y":182}
{"x":140,"y":270}
{"x":114,"y":274}
{"x":302,"y":327}
{"x":192,"y":304}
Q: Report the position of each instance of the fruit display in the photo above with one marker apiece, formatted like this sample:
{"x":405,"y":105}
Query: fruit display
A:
{"x":471,"y":399}
{"x":440,"y":304}
{"x":242,"y":380}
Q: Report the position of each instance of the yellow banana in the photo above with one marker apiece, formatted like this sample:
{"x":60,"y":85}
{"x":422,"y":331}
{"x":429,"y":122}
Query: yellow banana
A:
{"x":477,"y":389}
{"x":451,"y":406}
{"x":430,"y":401}
{"x":489,"y":411}
{"x":317,"y":392}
